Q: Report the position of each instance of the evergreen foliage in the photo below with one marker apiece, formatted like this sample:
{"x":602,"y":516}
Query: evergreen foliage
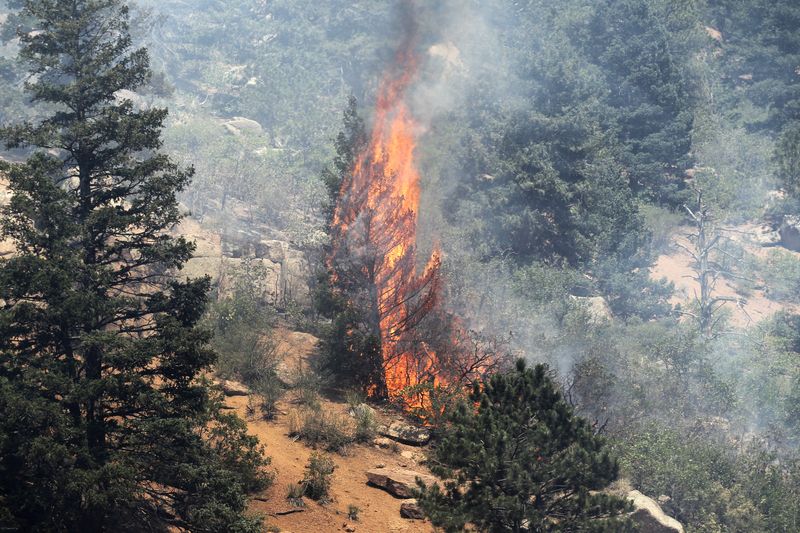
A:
{"x":351,"y":342}
{"x":518,"y":459}
{"x":106,"y":421}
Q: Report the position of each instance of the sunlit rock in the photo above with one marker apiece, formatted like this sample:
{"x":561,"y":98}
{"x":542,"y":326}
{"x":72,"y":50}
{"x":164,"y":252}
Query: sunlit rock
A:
{"x":411,"y":510}
{"x":649,"y":516}
{"x":407,"y":434}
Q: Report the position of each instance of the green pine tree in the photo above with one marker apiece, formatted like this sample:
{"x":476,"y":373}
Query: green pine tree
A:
{"x":105,"y":421}
{"x":517,"y":459}
{"x":351,"y":344}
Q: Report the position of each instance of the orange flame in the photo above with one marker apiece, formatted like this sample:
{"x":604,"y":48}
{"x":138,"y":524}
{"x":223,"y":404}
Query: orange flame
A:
{"x":377,"y":212}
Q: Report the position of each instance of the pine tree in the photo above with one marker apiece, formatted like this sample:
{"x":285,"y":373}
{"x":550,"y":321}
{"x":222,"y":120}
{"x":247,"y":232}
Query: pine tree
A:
{"x":105,"y":420}
{"x":518,"y":459}
{"x":352,"y":343}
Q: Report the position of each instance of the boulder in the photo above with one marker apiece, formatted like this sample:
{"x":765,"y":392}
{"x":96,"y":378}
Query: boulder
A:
{"x":407,"y":434}
{"x":296,"y":350}
{"x":411,"y":510}
{"x":237,"y":125}
{"x":233,"y":388}
{"x":599,"y":310}
{"x":382,"y":442}
{"x":398,"y":482}
{"x":649,"y":517}
{"x":790,"y":233}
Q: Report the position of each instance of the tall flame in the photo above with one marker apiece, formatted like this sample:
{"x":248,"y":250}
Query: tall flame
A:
{"x":376,"y":216}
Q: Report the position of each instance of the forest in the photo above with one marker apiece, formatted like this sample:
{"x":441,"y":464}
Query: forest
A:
{"x":466,"y":265}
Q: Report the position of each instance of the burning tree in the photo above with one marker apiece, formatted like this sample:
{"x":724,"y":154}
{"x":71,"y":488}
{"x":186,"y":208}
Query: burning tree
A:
{"x":389,"y":333}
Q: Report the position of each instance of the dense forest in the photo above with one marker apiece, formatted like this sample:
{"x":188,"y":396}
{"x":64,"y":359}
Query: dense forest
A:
{"x":559,"y":239}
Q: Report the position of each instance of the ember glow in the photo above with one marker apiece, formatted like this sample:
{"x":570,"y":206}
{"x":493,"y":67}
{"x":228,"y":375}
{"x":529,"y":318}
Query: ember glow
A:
{"x":375,"y":228}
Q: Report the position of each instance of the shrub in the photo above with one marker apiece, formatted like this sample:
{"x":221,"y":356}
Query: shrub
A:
{"x":294,"y":493}
{"x":318,"y":427}
{"x":366,"y":424}
{"x":269,"y":388}
{"x":317,"y":479}
{"x":322,"y":428}
{"x":520,"y":442}
{"x":352,"y":512}
{"x":308,"y":385}
{"x":354,"y":398}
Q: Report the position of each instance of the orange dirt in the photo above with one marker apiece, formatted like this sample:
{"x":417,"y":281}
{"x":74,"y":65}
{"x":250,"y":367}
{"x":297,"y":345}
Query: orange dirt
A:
{"x":379,"y":511}
{"x":676,"y":266}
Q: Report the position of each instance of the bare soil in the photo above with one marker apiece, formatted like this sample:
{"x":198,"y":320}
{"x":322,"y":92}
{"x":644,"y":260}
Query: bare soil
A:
{"x":379,"y":511}
{"x":676,"y":266}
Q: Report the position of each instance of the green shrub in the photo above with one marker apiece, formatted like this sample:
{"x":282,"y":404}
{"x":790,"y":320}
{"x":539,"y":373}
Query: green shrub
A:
{"x":352,"y":512}
{"x":295,"y":493}
{"x":317,"y":479}
{"x":317,"y":427}
{"x":781,"y":273}
{"x":366,"y":424}
{"x":270,"y":390}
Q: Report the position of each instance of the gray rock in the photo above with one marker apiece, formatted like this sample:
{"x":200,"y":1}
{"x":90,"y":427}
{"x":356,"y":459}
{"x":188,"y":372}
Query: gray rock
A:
{"x":407,"y":434}
{"x":649,"y":516}
{"x":398,"y":482}
{"x":411,"y":510}
{"x":382,"y":442}
{"x":240,"y":124}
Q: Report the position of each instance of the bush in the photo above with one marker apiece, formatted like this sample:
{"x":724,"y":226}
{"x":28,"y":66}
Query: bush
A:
{"x":269,"y":388}
{"x":317,"y":479}
{"x":782,"y":275}
{"x":295,"y":493}
{"x":699,"y":476}
{"x":307,"y":385}
{"x":511,"y":444}
{"x":662,"y":224}
{"x":242,"y":321}
{"x":318,"y":427}
{"x":352,"y":512}
{"x":366,"y":424}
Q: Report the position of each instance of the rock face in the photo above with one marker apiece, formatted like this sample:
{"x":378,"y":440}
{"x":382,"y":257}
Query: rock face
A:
{"x":296,"y":350}
{"x":398,"y":482}
{"x":649,"y":517}
{"x":233,"y":388}
{"x":285,"y":269}
{"x":407,"y":434}
{"x":411,"y":510}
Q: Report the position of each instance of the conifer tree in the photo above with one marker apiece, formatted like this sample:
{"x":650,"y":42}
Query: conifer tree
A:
{"x":518,"y":459}
{"x":105,"y":421}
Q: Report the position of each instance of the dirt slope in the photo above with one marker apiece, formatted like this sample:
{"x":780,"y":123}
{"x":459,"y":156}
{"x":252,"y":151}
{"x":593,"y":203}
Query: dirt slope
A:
{"x":379,"y":511}
{"x":676,"y":266}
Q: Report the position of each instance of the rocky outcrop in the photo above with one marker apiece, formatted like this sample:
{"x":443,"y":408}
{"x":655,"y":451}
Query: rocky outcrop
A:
{"x":296,"y":350}
{"x":220,"y":256}
{"x":398,"y":482}
{"x":239,"y":125}
{"x":411,"y":510}
{"x":649,"y":516}
{"x":233,"y":388}
{"x":407,"y":434}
